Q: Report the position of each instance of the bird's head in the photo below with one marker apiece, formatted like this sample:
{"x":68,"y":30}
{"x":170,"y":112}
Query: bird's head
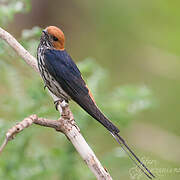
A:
{"x":53,"y":37}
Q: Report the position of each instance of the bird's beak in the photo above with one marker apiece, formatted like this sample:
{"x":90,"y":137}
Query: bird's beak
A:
{"x":45,"y":31}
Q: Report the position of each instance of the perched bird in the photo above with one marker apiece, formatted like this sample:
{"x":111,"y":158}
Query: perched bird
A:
{"x":63,"y":78}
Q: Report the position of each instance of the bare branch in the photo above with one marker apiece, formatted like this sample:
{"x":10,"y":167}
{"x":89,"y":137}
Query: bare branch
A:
{"x":23,"y":53}
{"x":16,"y":129}
{"x":65,"y":124}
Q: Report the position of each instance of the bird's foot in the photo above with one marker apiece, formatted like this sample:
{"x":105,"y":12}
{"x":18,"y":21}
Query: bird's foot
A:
{"x":56,"y":103}
{"x":63,"y":103}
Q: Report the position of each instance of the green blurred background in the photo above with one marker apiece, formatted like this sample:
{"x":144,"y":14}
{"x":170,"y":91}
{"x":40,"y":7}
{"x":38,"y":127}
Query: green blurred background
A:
{"x":128,"y":52}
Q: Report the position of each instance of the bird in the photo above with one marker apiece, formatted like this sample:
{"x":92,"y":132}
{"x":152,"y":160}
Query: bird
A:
{"x":63,"y":78}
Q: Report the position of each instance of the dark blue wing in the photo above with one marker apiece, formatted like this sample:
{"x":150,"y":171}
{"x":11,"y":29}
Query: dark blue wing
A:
{"x":66,"y":73}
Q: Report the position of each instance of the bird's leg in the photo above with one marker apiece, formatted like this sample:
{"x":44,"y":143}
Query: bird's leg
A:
{"x":57,"y":102}
{"x":63,"y":103}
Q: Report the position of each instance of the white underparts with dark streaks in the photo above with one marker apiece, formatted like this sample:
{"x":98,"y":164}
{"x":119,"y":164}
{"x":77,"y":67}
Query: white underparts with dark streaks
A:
{"x":49,"y":81}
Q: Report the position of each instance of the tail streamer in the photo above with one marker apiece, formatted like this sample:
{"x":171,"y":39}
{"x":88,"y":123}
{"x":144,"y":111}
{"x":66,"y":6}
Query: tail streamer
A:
{"x":132,"y":156}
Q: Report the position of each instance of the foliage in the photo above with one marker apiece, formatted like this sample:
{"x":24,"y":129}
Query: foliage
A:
{"x":8,"y":8}
{"x":40,"y":153}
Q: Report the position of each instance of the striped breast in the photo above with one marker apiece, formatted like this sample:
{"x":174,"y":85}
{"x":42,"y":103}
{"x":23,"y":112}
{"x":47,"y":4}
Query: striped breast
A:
{"x":49,"y":80}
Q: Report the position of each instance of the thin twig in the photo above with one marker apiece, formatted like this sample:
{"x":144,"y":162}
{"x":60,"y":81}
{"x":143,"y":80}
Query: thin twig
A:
{"x":11,"y":134}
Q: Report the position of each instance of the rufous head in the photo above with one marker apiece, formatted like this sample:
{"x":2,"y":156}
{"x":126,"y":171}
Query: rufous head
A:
{"x":55,"y":37}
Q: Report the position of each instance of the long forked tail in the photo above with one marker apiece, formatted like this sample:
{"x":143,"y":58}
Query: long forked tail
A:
{"x":90,"y":107}
{"x":132,"y":156}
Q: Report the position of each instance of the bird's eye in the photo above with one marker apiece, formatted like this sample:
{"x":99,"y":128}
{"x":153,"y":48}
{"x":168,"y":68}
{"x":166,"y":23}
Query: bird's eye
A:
{"x":55,"y":38}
